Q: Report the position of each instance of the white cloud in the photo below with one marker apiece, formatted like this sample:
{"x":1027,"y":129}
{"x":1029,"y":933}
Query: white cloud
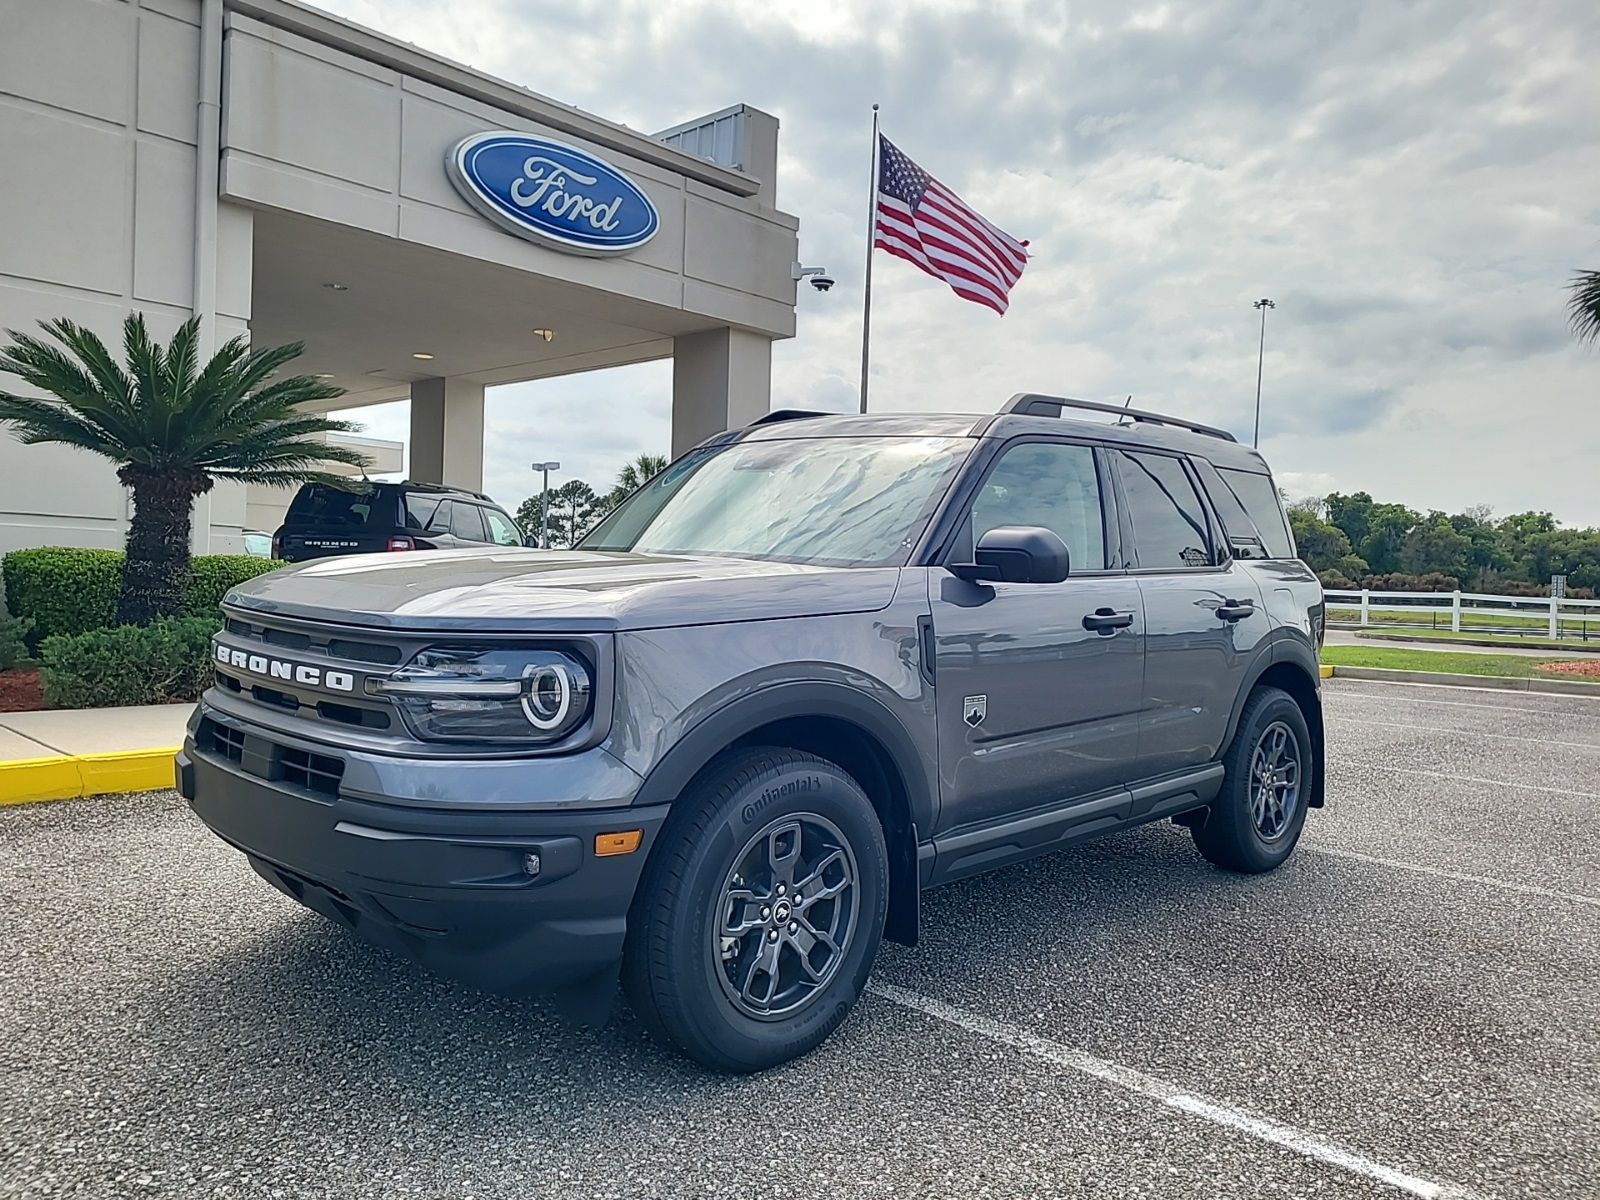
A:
{"x":1413,"y":184}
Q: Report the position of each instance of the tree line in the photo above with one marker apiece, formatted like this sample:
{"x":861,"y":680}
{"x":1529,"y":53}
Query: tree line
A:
{"x":576,"y":508}
{"x":1355,"y":541}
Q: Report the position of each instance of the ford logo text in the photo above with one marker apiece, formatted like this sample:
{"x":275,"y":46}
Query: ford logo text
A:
{"x":289,"y":672}
{"x":552,"y":193}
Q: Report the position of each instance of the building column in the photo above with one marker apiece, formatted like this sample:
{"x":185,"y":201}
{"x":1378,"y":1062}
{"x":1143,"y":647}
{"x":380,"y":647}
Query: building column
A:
{"x":721,"y":379}
{"x":447,"y":433}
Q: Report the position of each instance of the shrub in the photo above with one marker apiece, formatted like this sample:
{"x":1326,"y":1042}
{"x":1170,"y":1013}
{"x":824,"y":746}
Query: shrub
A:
{"x":211,"y":576}
{"x":130,"y":664}
{"x":1336,"y":580}
{"x":62,"y":589}
{"x":70,"y":590}
{"x":1433,"y":581}
{"x":13,"y":643}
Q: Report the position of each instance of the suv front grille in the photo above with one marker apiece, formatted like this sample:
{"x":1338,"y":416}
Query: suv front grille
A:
{"x":316,"y":647}
{"x":318,"y":773}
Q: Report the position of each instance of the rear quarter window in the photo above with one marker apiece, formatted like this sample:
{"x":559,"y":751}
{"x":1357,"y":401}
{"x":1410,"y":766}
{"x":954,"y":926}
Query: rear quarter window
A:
{"x":1253,"y":497}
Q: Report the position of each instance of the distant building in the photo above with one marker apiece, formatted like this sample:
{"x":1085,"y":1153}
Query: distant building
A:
{"x":284,"y":173}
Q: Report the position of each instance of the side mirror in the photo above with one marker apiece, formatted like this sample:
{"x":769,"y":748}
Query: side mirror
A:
{"x":1017,"y":554}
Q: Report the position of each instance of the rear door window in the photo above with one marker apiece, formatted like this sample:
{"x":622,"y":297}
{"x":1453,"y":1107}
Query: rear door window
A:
{"x":466,"y":522}
{"x":439,"y":522}
{"x":1171,"y":530}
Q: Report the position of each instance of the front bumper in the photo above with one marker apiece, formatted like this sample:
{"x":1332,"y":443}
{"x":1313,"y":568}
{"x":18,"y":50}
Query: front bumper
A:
{"x":448,"y":885}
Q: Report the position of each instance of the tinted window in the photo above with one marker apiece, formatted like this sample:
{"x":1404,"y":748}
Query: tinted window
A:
{"x":1259,"y":499}
{"x":1169,"y":523}
{"x":1048,"y":484}
{"x":439,"y":522}
{"x":323,"y":504}
{"x":834,"y":501}
{"x":420,"y":509}
{"x":466,"y":522}
{"x":1243,"y":537}
{"x":502,"y":529}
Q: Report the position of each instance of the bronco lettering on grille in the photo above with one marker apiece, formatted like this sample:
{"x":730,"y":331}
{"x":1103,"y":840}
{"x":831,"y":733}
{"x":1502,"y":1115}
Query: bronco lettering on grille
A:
{"x":277,"y":668}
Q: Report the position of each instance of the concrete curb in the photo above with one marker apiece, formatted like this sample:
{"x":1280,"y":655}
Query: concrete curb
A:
{"x":69,"y":776}
{"x":1500,"y":683}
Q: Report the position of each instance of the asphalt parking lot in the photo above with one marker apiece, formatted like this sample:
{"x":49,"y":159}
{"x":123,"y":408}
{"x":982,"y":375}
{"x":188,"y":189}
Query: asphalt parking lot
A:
{"x":1410,"y":1007}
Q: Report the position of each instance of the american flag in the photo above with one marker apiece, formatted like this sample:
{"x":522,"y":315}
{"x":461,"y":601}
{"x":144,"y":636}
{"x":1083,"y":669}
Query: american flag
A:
{"x":924,"y":222}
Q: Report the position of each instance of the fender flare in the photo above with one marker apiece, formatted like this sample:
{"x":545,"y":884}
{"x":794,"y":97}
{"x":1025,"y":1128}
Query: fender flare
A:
{"x":781,"y":701}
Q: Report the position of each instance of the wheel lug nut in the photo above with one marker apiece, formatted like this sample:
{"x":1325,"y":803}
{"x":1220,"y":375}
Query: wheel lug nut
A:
{"x":772,"y":936}
{"x":782,"y":888}
{"x":765,"y":913}
{"x":794,"y":926}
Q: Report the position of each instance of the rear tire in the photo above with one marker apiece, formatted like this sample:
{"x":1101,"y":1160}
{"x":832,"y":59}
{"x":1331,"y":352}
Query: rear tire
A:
{"x":760,"y":911}
{"x":1257,"y":817}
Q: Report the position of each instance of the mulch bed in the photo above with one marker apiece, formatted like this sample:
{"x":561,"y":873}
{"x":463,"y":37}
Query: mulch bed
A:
{"x":20,"y":690}
{"x":1588,"y":670}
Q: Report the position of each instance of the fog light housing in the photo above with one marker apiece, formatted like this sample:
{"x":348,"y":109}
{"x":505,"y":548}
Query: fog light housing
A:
{"x":531,"y":864}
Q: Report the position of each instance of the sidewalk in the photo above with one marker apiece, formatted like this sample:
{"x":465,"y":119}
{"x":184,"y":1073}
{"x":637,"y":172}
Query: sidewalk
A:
{"x":63,"y":753}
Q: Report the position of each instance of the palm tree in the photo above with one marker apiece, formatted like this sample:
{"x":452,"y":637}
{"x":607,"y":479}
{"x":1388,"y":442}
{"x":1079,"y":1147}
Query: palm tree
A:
{"x":173,"y":428}
{"x":1583,"y":307}
{"x":640,"y":472}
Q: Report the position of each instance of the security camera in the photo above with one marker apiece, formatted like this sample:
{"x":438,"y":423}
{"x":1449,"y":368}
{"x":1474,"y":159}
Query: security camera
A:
{"x":820,"y":279}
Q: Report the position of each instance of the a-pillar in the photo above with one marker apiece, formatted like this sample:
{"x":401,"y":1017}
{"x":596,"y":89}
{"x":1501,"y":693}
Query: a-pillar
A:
{"x":447,"y":433}
{"x":721,"y":379}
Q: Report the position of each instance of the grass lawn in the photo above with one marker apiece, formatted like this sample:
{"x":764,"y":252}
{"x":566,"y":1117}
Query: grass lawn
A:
{"x":1517,"y":666}
{"x":1542,"y":642}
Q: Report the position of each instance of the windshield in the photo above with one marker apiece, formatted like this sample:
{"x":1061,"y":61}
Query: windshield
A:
{"x":827,"y":501}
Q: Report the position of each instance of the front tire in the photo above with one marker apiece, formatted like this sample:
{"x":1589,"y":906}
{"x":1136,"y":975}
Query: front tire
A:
{"x":1258,"y":815}
{"x":760,"y":911}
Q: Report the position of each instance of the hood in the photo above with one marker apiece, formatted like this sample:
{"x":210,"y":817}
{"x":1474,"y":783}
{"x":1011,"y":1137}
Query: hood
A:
{"x":558,"y":591}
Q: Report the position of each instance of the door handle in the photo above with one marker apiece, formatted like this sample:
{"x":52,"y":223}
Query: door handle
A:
{"x":1235,"y":610}
{"x":1107,"y":621}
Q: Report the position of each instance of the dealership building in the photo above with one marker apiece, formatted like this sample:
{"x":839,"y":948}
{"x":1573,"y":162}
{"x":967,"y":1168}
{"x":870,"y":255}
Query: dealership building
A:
{"x":425,"y":229}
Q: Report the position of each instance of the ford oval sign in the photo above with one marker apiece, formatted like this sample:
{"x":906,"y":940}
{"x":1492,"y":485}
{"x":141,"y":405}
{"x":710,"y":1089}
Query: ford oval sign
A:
{"x":552,"y":193}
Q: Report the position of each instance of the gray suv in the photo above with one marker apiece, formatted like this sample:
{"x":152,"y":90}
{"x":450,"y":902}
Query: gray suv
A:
{"x":813,"y":667}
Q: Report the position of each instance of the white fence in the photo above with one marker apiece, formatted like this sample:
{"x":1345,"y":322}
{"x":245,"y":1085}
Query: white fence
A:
{"x":1523,"y":615}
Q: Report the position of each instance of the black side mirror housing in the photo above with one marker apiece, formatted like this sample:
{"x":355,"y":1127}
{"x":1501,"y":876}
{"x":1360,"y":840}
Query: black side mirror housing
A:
{"x":1017,"y":554}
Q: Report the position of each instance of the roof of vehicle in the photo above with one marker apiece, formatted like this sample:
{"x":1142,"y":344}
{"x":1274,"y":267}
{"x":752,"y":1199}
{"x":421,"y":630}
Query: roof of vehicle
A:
{"x":1135,"y":428}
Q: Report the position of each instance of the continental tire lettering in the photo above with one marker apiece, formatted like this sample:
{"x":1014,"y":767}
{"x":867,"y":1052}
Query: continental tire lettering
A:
{"x":771,"y":795}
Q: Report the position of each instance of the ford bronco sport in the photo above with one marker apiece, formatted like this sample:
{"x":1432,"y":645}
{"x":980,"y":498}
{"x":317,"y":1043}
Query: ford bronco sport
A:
{"x":814,"y":666}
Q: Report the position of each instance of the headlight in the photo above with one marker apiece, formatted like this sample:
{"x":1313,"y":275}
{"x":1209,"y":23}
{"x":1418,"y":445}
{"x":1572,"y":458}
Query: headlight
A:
{"x":475,"y":694}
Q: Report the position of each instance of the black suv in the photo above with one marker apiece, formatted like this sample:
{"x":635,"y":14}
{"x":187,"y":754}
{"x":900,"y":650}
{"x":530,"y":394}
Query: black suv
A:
{"x":814,"y":666}
{"x":371,"y":518}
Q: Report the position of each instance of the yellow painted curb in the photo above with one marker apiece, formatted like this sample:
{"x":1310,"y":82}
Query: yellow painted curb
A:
{"x":1325,"y":670}
{"x":26,"y":781}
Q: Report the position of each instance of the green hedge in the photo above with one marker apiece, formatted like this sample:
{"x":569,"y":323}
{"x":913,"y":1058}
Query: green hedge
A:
{"x":63,"y":590}
{"x":68,"y":590}
{"x":212,"y":576}
{"x":130,"y":664}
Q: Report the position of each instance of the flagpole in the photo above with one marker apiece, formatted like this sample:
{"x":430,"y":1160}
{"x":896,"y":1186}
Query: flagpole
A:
{"x":872,"y":227}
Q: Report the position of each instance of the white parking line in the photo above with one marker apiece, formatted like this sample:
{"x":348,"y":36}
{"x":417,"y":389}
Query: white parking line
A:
{"x":1286,"y":1136}
{"x":1505,"y":783}
{"x":1476,"y":733}
{"x":1505,"y":885}
{"x":1538,"y":712}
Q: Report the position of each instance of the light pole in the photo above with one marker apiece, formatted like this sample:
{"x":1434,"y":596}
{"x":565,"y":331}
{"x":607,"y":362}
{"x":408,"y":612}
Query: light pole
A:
{"x":544,"y":526}
{"x":1263,"y":304}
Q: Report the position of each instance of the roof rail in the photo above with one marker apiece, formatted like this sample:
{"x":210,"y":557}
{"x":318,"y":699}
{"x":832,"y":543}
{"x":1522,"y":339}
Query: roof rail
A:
{"x":1028,"y":404}
{"x":789,"y":414}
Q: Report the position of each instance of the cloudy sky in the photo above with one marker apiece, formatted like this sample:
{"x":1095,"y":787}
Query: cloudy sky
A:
{"x":1412,"y":183}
